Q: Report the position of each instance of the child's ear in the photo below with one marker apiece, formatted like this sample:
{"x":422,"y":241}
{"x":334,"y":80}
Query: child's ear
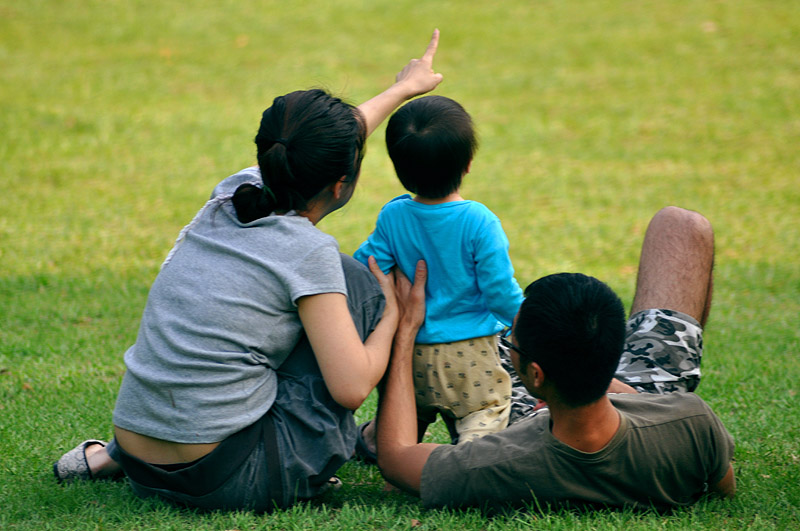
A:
{"x":469,"y":167}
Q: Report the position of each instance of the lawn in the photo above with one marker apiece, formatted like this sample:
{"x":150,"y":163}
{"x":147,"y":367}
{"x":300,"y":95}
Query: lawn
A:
{"x":118,"y":118}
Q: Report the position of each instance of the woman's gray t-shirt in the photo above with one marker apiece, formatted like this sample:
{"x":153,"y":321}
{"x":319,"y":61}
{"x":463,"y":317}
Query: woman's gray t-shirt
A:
{"x":220,"y":318}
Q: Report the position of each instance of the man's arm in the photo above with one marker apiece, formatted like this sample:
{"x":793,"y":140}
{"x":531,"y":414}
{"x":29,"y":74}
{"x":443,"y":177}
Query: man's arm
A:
{"x":400,"y":458}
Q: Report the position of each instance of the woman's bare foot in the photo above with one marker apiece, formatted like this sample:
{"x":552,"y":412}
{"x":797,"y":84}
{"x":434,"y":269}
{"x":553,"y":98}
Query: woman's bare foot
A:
{"x":100,"y":463}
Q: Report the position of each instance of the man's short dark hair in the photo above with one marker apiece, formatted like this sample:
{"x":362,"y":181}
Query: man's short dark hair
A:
{"x":573,"y":326}
{"x":431,"y":142}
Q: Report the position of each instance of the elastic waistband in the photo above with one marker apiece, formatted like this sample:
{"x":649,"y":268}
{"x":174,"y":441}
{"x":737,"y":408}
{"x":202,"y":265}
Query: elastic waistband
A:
{"x":209,"y":472}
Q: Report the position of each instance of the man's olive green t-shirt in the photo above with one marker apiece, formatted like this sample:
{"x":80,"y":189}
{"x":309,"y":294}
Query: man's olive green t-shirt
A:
{"x":667,"y":452}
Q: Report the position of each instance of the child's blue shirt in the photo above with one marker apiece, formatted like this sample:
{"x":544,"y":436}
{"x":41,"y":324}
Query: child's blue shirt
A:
{"x":471,"y":290}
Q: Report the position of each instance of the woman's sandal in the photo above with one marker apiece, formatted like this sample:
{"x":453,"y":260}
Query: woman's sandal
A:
{"x":74,"y":465}
{"x":362,"y":450}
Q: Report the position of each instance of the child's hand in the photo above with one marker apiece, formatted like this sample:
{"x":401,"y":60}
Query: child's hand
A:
{"x":418,"y":77}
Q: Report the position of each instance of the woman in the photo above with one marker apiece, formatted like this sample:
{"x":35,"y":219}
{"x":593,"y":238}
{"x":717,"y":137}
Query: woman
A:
{"x":258,"y":339}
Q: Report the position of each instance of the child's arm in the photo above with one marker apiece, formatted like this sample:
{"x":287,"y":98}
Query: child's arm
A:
{"x":416,"y":78}
{"x":496,"y":281}
{"x":377,"y":245}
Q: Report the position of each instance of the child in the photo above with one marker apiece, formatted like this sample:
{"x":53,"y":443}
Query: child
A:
{"x":471,"y":293}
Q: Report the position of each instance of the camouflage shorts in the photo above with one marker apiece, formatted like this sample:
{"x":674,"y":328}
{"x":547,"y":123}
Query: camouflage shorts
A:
{"x":662,"y":354}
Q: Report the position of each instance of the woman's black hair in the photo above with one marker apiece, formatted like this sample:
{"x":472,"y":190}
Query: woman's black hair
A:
{"x":307,"y":140}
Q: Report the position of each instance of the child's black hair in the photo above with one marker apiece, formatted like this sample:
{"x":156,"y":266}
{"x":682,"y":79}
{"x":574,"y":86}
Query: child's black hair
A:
{"x":431,"y":142}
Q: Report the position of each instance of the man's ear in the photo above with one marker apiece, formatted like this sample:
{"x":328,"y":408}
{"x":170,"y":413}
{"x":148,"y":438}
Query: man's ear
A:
{"x":537,"y":376}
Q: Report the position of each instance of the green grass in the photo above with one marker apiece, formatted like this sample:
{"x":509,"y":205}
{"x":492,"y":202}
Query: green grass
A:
{"x":118,"y":117}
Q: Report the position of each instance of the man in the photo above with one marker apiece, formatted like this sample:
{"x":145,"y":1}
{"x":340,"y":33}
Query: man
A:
{"x":651,"y":445}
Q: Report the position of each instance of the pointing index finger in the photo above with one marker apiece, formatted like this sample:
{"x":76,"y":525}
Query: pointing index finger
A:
{"x":431,"y":50}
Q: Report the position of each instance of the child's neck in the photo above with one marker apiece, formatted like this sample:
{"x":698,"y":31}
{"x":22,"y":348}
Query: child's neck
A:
{"x":455,"y":196}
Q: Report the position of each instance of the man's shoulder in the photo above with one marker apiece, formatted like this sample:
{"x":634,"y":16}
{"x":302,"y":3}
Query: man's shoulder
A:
{"x":653,"y":399}
{"x":456,"y":475}
{"x":648,"y":409}
{"x":508,"y":445}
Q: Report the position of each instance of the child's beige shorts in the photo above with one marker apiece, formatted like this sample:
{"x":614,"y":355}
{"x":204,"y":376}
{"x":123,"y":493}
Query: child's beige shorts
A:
{"x":465,"y":383}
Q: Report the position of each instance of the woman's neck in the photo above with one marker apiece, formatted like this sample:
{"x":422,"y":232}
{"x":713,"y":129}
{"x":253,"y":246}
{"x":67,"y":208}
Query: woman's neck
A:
{"x":313,"y":215}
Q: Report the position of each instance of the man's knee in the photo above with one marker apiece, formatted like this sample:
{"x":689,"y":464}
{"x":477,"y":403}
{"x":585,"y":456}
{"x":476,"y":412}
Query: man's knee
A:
{"x":689,"y":223}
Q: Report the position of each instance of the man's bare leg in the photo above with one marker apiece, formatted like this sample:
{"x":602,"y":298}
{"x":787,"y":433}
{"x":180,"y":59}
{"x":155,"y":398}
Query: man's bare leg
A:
{"x":676,"y":264}
{"x":676,"y":273}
